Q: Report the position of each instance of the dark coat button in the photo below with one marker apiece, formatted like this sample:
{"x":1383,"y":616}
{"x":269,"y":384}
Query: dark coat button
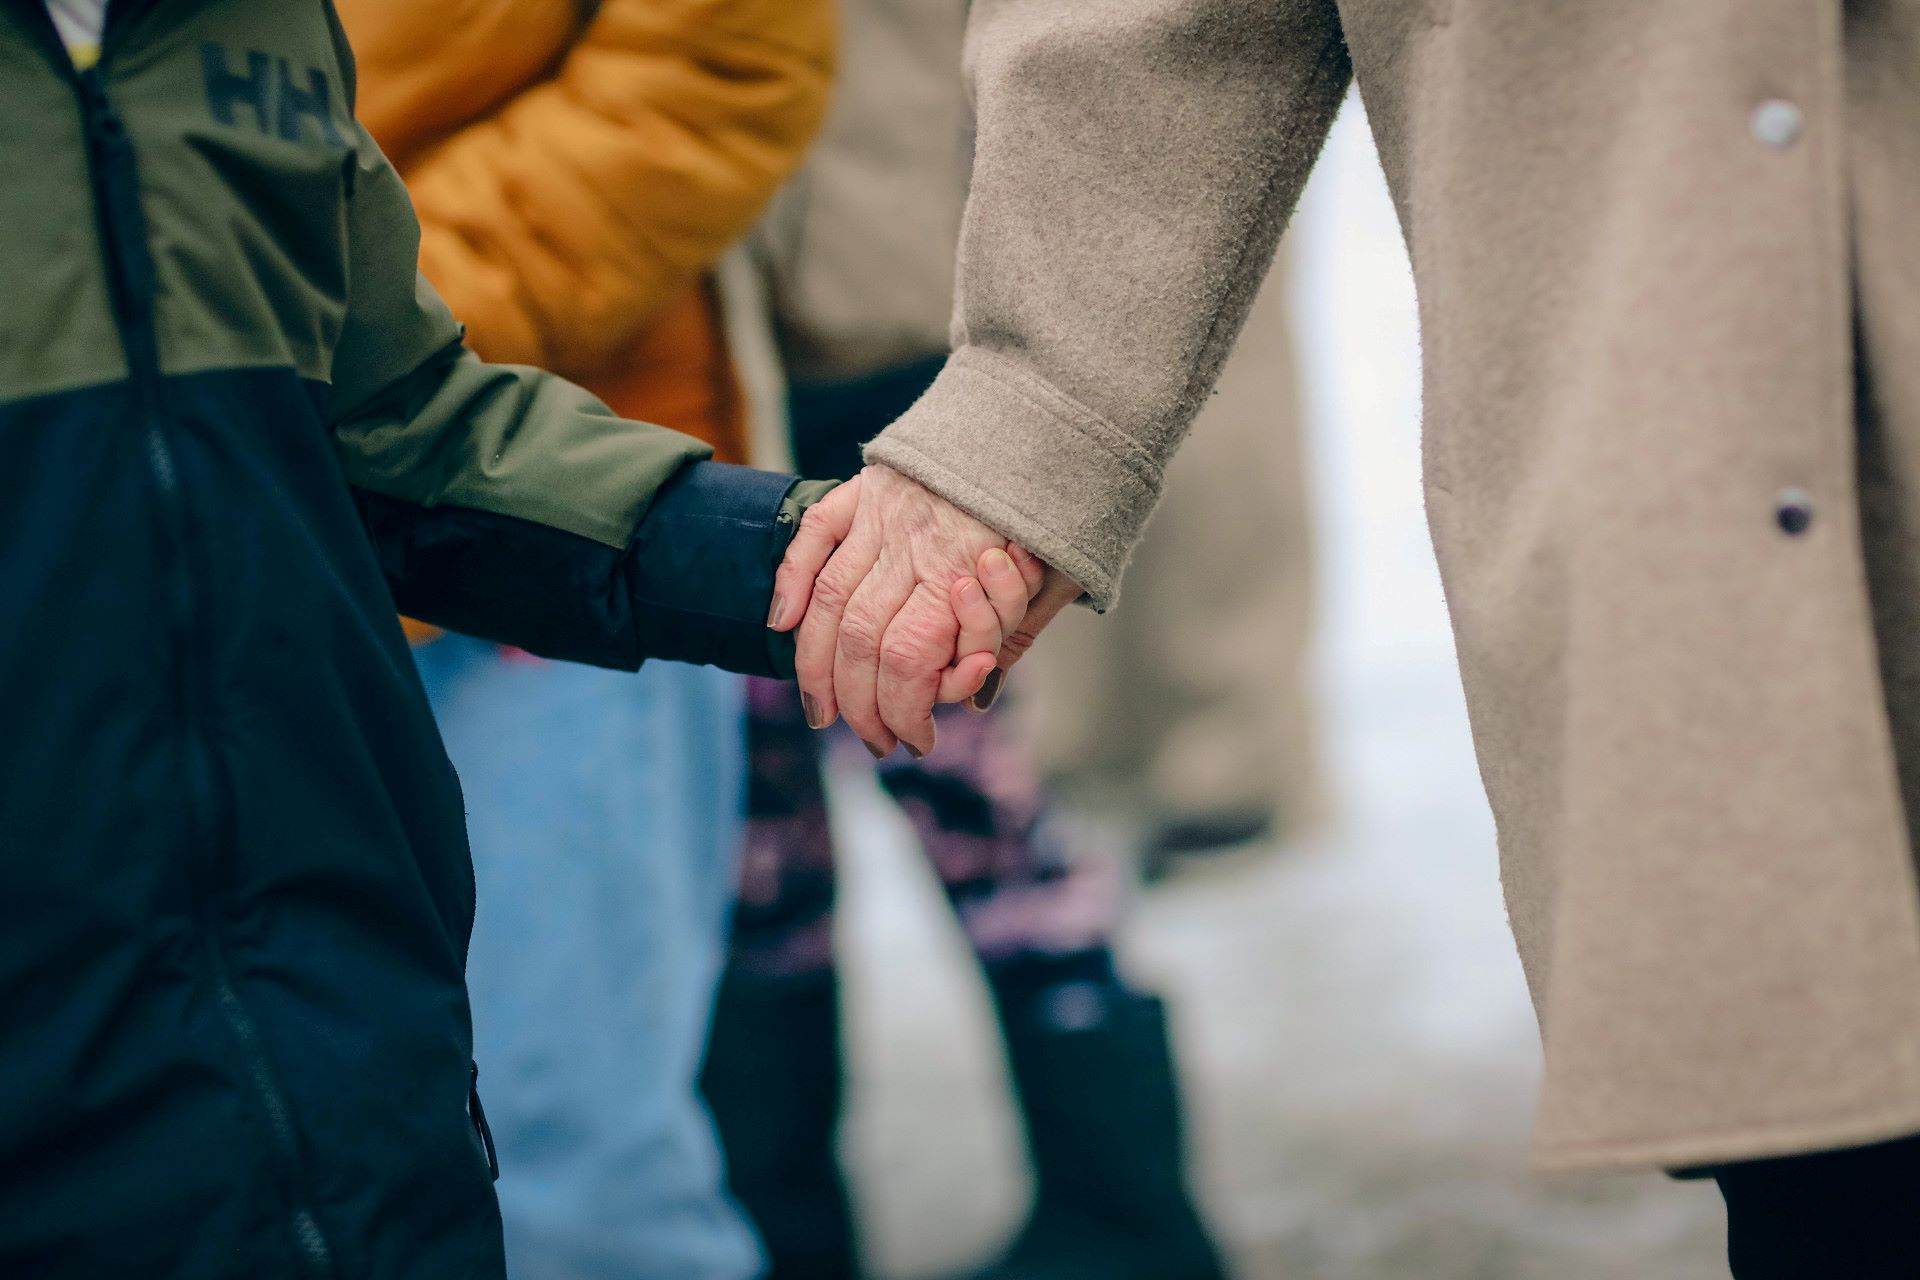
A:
{"x":1793,"y":509}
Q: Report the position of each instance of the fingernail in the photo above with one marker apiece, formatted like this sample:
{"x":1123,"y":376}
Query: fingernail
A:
{"x":1001,"y":563}
{"x":990,"y":691}
{"x":914,"y":751}
{"x":970,"y":591}
{"x":777,"y":614}
{"x":877,"y":752}
{"x":810,"y":705}
{"x":1023,"y":554}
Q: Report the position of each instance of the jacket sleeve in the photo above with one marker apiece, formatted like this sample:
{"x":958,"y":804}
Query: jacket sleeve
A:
{"x":1135,"y":162}
{"x":507,"y":503}
{"x":557,"y":226}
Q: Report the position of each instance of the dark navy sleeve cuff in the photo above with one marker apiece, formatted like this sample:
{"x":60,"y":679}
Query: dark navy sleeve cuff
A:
{"x":701,"y":565}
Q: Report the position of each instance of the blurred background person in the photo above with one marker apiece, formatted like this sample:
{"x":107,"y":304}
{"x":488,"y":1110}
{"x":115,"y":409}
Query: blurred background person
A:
{"x":857,"y":256}
{"x":1185,"y":721}
{"x":578,"y":169}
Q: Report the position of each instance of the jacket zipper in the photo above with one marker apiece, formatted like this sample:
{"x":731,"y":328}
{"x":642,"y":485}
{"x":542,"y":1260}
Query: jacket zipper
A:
{"x":484,"y":1131}
{"x":123,"y":236}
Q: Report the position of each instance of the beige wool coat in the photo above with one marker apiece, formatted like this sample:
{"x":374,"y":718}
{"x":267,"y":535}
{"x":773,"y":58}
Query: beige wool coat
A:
{"x":1669,"y":504}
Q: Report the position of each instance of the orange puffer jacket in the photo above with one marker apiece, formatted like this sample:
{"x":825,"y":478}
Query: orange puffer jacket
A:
{"x":578,"y":168}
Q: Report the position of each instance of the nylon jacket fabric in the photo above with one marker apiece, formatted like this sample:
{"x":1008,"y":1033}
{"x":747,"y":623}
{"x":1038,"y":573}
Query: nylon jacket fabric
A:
{"x":235,"y":892}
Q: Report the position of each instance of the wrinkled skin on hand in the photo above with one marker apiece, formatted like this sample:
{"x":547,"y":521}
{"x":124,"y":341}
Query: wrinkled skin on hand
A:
{"x":903,"y":601}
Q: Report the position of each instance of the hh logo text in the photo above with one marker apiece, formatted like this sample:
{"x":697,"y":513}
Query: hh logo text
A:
{"x":268,"y":94}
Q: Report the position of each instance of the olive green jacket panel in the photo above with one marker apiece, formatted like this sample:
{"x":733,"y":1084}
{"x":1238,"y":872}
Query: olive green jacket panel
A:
{"x":240,"y":117}
{"x":418,"y":418}
{"x":280,"y":237}
{"x":57,"y":329}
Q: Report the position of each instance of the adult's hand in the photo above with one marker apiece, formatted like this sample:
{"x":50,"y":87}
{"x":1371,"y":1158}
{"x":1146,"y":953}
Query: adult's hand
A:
{"x":879,"y":625}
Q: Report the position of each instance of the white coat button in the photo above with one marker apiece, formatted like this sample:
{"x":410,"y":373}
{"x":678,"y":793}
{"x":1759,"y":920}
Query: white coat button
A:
{"x":1777,"y":123}
{"x":1793,"y":511}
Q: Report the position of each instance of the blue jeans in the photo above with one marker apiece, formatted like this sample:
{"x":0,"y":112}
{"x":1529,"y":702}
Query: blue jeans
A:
{"x":605,"y":812}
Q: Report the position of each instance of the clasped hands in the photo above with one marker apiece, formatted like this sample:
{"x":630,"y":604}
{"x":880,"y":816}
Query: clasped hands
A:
{"x":903,"y":601}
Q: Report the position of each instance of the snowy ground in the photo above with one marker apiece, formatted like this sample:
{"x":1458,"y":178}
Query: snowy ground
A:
{"x":1360,"y":1051}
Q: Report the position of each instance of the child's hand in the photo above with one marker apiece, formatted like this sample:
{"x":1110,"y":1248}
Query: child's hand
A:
{"x":989,"y":608}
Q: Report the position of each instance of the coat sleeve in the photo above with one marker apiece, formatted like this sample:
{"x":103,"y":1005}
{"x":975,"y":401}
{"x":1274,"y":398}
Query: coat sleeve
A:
{"x":507,"y":503}
{"x":1135,"y":162}
{"x":557,"y":226}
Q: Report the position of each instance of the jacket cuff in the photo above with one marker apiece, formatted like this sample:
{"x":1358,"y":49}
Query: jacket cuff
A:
{"x":700,"y":568}
{"x":1032,"y":464}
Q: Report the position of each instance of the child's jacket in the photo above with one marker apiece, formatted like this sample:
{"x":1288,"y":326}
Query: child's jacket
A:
{"x":234,"y":886}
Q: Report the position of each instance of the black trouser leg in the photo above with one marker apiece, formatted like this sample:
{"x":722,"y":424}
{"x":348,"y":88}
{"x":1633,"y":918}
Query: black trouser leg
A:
{"x":1831,"y":1215}
{"x":774,"y":1080}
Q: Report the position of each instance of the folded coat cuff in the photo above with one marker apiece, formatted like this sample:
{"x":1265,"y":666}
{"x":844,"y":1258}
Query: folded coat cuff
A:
{"x":1028,"y":461}
{"x":701,"y":565}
